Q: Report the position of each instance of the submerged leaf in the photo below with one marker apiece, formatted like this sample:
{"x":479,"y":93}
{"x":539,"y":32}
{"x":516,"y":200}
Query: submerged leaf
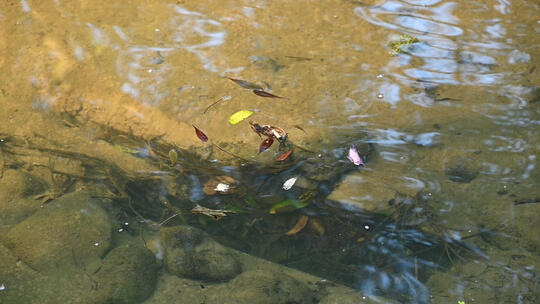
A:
{"x":239,"y":116}
{"x":300,"y":128}
{"x":289,"y":183}
{"x":284,"y":156}
{"x":317,"y":226}
{"x":287,"y":205}
{"x":263,"y":93}
{"x":173,"y":156}
{"x":246,"y":84}
{"x":302,"y":221}
{"x":216,"y":214}
{"x":126,"y":149}
{"x":200,"y":134}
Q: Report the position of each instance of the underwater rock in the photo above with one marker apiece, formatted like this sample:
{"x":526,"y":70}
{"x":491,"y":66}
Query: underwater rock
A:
{"x":340,"y":295}
{"x":507,"y":235}
{"x":15,"y":184}
{"x":69,"y":230}
{"x":461,"y":171}
{"x":12,"y":212}
{"x":128,"y":275}
{"x":265,"y":288}
{"x":187,"y":253}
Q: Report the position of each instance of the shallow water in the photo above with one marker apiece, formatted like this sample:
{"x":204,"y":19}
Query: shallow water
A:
{"x":452,"y":121}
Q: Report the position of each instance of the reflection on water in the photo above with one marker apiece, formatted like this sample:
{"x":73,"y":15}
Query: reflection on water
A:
{"x":448,"y":126}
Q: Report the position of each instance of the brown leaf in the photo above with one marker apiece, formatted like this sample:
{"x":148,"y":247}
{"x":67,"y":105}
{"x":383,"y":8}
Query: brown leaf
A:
{"x":266,"y":144}
{"x":269,"y":131}
{"x":263,"y":93}
{"x":200,"y":134}
{"x":302,"y":221}
{"x":284,"y":156}
{"x":300,"y":128}
{"x":317,"y":226}
{"x":246,"y":84}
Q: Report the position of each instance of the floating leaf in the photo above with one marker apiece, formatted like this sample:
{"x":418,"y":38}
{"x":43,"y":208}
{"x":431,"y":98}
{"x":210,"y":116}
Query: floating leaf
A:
{"x":239,"y":116}
{"x":354,"y":157}
{"x":246,"y":84}
{"x":173,"y":156}
{"x":266,"y":94}
{"x":302,"y":221}
{"x":287,"y":206}
{"x":284,"y":156}
{"x":266,"y":144}
{"x":270,"y":131}
{"x":200,"y":134}
{"x":289,"y":183}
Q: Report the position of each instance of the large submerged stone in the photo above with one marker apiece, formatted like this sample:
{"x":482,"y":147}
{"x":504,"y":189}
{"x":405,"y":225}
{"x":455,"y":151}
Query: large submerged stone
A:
{"x":70,"y":230}
{"x":188,"y":253}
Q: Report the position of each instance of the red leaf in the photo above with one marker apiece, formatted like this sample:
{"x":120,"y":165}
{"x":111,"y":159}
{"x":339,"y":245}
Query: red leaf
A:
{"x":266,"y":144}
{"x":266,"y":94}
{"x":284,"y":156}
{"x":200,"y":134}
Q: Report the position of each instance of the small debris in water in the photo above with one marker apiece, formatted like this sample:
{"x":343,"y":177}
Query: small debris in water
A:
{"x":380,"y":96}
{"x":289,"y":183}
{"x":221,"y":187}
{"x":96,"y":244}
{"x":354,"y":157}
{"x":2,"y":287}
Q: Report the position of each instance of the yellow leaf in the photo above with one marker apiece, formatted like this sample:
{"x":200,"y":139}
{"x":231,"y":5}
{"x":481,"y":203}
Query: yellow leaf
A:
{"x":239,"y":116}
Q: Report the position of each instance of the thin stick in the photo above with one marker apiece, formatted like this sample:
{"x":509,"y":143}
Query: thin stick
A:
{"x":213,"y":104}
{"x":169,"y":218}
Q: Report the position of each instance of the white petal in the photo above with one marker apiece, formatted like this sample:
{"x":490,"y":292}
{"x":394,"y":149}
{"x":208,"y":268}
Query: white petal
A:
{"x":221,"y":187}
{"x":289,"y":183}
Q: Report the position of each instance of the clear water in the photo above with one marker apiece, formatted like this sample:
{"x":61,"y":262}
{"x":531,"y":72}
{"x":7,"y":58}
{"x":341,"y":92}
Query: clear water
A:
{"x":446,"y":209}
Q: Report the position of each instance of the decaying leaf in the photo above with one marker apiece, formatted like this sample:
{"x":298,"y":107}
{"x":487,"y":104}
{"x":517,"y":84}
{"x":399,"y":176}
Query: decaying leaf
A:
{"x":269,"y":131}
{"x":266,"y":144}
{"x":239,"y":116}
{"x":300,"y":128}
{"x":302,"y":221}
{"x":284,"y":156}
{"x":317,"y":226}
{"x":402,"y":44}
{"x":289,"y":183}
{"x":287,"y":206}
{"x":246,"y":84}
{"x":263,"y":93}
{"x":216,"y":214}
{"x":200,"y":134}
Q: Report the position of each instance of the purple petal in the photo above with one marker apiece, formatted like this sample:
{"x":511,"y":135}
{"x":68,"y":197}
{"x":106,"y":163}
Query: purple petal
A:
{"x":354,"y":157}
